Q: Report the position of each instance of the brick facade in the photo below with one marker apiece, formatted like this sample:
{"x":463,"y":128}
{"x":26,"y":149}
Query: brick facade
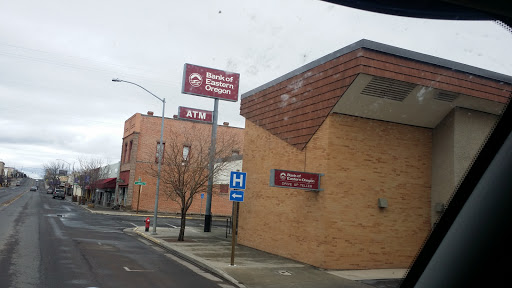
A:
{"x":341,"y":227}
{"x":144,"y":133}
{"x":372,"y":140}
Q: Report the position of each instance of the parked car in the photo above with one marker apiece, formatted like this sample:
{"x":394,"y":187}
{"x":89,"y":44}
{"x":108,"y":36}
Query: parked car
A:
{"x":18,"y":183}
{"x":33,"y":188}
{"x":49,"y":191}
{"x":59,"y":193}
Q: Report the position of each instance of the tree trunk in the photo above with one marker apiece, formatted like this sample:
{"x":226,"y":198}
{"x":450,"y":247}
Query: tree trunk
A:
{"x":181,"y":237}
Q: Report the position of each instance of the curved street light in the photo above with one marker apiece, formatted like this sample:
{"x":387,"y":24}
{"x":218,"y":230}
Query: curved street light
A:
{"x":160,"y":150}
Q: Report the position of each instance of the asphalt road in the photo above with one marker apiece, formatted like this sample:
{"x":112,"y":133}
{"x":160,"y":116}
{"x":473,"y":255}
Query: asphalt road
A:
{"x":47,"y":242}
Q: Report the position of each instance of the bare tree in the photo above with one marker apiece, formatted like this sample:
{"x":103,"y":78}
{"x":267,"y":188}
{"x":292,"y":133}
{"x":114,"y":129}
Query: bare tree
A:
{"x":89,"y":172}
{"x":51,"y":171}
{"x":185,"y":164}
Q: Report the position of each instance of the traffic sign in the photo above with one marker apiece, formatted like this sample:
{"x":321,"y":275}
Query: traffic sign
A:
{"x":202,"y":195}
{"x":140,"y":183}
{"x":236,"y":195}
{"x":237,"y":180}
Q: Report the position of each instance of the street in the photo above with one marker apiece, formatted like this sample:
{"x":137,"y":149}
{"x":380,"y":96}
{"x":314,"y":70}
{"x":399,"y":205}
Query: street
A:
{"x":47,"y":242}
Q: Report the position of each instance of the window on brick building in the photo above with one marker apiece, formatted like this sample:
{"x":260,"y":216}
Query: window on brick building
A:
{"x":125,"y":151}
{"x":223,"y":188}
{"x":129,"y":152}
{"x":186,"y":152}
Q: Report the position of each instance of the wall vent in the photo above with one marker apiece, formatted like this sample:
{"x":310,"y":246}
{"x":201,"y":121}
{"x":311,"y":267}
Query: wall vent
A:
{"x":445,"y":96}
{"x":388,"y":89}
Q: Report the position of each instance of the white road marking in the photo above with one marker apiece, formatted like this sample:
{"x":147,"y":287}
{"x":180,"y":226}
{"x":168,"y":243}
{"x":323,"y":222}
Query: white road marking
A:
{"x":133,"y":224}
{"x":129,"y":270}
{"x":172,"y":226}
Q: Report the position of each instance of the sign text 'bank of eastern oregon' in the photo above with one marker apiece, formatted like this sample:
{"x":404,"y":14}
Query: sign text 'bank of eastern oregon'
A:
{"x":208,"y":82}
{"x":295,"y":179}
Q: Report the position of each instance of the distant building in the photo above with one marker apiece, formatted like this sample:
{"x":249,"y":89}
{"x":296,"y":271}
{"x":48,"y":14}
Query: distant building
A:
{"x":2,"y":173}
{"x":391,"y":131}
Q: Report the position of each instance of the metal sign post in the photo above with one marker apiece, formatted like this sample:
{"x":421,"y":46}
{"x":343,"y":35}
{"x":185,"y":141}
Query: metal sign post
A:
{"x":217,"y":84}
{"x":233,"y":232}
{"x":201,"y":207}
{"x":237,"y":181}
{"x":140,"y":183}
{"x":211,"y":165}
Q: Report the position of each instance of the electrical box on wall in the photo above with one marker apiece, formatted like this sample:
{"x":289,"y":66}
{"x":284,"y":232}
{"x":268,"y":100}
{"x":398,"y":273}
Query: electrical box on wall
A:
{"x":439,"y":207}
{"x":383,"y":203}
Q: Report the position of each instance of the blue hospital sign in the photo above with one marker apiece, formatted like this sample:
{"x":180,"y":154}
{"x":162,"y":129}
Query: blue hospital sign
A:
{"x":237,"y":180}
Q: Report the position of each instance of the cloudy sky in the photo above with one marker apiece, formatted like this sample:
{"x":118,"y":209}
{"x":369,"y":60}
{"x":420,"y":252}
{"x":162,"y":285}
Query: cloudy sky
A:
{"x":58,"y":57}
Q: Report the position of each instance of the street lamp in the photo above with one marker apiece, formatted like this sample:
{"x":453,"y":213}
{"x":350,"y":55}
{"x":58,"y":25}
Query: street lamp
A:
{"x":69,"y":165}
{"x":160,"y":148}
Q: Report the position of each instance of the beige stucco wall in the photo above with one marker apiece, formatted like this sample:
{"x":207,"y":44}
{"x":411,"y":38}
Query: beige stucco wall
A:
{"x":456,"y":142}
{"x":341,"y":227}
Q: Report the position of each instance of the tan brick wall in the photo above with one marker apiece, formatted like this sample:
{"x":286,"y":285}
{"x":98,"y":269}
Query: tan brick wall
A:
{"x":143,"y":153}
{"x":342,"y":226}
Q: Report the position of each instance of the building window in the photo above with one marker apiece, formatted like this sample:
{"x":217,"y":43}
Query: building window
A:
{"x":224,"y":189}
{"x":159,"y":148}
{"x":186,"y":152}
{"x":130,"y":150}
{"x":125,"y":151}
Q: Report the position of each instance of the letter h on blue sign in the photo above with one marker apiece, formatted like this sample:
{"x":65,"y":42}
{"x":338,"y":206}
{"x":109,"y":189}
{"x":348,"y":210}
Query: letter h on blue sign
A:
{"x":237,"y":180}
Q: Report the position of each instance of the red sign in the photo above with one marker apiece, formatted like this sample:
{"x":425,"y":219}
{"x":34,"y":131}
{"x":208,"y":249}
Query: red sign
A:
{"x":195,"y":114}
{"x":208,"y":82}
{"x":295,"y":179}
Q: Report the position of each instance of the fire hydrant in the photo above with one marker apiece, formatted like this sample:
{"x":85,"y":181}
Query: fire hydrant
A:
{"x":147,"y":224}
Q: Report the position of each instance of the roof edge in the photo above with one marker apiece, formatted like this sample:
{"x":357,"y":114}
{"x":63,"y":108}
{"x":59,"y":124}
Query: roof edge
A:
{"x":384,"y":48}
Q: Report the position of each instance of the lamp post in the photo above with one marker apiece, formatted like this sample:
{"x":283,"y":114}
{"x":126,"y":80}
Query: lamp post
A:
{"x":160,"y":148}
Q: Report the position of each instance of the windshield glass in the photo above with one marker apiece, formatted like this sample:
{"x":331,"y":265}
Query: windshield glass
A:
{"x":354,"y":128}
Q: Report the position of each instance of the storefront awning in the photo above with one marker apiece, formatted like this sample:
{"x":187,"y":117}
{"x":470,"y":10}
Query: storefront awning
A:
{"x":124,"y":178}
{"x":109,"y":183}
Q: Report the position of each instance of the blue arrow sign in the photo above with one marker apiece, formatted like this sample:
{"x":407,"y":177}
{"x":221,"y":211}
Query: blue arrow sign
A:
{"x":237,"y":180}
{"x":236,"y":195}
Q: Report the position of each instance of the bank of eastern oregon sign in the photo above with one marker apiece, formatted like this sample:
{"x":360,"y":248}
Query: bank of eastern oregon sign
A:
{"x":208,"y":82}
{"x":195,"y":114}
{"x":295,"y":179}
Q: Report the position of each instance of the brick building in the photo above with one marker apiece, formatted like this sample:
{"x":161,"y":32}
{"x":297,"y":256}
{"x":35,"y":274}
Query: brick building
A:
{"x":139,"y":161}
{"x":393,"y":131}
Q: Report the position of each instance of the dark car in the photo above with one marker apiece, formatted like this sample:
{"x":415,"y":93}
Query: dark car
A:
{"x":49,"y":191}
{"x":33,"y":188}
{"x":59,"y":193}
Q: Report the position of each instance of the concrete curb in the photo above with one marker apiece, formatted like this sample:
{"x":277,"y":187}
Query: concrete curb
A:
{"x":190,"y":258}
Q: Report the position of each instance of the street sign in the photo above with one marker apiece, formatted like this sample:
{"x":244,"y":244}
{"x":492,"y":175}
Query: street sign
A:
{"x":208,"y":82}
{"x":140,"y":183}
{"x":237,"y":180}
{"x":236,"y":195}
{"x":295,"y":179}
{"x":202,"y":195}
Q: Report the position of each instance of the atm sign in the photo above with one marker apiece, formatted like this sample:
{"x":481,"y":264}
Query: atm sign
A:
{"x":195,"y":114}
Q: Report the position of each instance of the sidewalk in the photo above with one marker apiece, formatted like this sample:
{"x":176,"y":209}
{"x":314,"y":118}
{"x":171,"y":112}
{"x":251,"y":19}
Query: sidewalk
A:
{"x":253,"y":268}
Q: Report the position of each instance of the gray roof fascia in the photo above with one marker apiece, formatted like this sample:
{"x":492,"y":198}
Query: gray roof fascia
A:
{"x":372,"y":45}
